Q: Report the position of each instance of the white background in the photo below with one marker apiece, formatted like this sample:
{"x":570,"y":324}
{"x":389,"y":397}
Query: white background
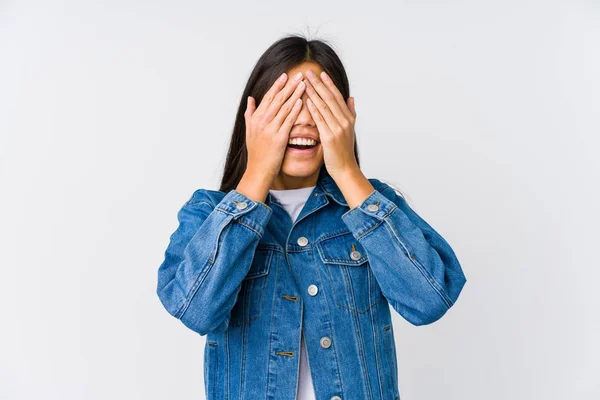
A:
{"x":484,"y":114}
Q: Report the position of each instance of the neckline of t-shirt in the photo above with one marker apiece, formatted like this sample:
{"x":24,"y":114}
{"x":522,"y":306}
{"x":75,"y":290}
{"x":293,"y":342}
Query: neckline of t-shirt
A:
{"x":310,"y":188}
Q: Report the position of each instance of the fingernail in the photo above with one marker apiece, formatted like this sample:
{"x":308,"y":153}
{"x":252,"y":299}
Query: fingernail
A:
{"x":282,"y":77}
{"x":298,"y":76}
{"x":324,"y":76}
{"x":310,"y":73}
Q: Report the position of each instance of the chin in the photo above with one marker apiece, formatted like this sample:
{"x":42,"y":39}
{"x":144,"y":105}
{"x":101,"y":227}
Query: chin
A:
{"x":300,"y":169}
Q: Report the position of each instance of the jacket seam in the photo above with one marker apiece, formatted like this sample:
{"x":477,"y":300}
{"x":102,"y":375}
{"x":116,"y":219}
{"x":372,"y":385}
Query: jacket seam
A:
{"x":359,"y":342}
{"x":331,"y":328}
{"x":249,"y":227}
{"x":420,"y":268}
{"x":187,"y":300}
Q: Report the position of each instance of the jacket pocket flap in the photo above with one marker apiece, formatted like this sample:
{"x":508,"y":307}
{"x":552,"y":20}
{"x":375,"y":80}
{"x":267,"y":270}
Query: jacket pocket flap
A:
{"x":342,"y":249}
{"x":260,"y":263}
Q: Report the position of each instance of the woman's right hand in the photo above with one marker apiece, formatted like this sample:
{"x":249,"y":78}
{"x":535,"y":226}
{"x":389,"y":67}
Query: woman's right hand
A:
{"x":268,"y":126}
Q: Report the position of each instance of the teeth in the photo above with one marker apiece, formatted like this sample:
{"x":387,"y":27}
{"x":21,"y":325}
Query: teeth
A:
{"x":308,"y":142}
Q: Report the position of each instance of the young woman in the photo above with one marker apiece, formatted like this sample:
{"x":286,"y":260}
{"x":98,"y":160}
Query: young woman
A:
{"x":290,"y":267}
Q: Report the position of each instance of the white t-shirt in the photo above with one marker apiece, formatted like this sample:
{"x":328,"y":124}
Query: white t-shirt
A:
{"x":293,"y":201}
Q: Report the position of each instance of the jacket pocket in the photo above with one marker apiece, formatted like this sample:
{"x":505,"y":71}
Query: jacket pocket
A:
{"x":211,"y":367}
{"x":249,"y":301}
{"x":354,"y":285}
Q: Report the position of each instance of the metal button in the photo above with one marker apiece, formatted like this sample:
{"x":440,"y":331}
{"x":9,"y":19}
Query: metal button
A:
{"x":313,"y":290}
{"x":302,"y":241}
{"x":336,"y":398}
{"x":325,"y":342}
{"x":241,"y":205}
{"x":372,"y":207}
{"x":355,"y":255}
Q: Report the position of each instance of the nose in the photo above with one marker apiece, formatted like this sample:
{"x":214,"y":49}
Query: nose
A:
{"x":305,"y":117}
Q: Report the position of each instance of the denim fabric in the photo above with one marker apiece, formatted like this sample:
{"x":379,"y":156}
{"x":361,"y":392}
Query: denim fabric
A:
{"x":240,"y":272}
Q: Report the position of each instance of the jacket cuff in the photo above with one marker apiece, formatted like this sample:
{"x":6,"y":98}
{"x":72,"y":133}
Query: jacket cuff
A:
{"x":370,"y":213}
{"x":253,"y":213}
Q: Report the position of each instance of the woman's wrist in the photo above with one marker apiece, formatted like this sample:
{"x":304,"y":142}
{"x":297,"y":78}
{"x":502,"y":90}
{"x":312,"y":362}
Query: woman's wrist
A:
{"x":255,"y":185}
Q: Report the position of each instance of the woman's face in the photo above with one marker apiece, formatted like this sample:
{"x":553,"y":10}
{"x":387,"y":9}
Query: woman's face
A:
{"x":303,"y":163}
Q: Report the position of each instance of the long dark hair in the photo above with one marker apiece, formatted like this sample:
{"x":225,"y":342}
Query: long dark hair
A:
{"x":283,"y":55}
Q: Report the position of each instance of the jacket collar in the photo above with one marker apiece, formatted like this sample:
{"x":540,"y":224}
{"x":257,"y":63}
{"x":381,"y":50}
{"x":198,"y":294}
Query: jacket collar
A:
{"x":325,"y":185}
{"x":329,"y":187}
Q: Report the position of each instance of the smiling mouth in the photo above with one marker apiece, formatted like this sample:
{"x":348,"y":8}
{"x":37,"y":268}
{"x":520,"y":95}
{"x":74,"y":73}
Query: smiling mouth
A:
{"x":302,"y":146}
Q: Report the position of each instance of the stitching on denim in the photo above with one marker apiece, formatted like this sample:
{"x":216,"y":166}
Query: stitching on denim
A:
{"x":388,"y":351}
{"x":329,"y":235}
{"x":239,"y":221}
{"x":350,"y":262}
{"x":393,"y":359}
{"x":347,"y":260}
{"x":246,"y":293}
{"x":187,"y":300}
{"x":424,"y":272}
{"x":377,"y":348}
{"x":411,"y":257}
{"x":366,"y":310}
{"x":331,"y":329}
{"x":361,"y":349}
{"x":227,"y":370}
{"x":270,"y":246}
{"x":216,"y":374}
{"x":264,"y":261}
{"x":336,"y":297}
{"x":213,"y":368}
{"x":293,"y":248}
{"x":271,"y":330}
{"x":264,"y":205}
{"x":349,"y":292}
{"x":329,"y":268}
{"x":320,"y":245}
{"x":375,"y":225}
{"x":433,"y":282}
{"x":244,"y":334}
{"x":379,"y":222}
{"x":357,"y":330}
{"x":238,"y":213}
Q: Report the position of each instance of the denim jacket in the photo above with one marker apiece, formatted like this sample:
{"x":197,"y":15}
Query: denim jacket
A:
{"x":240,"y":272}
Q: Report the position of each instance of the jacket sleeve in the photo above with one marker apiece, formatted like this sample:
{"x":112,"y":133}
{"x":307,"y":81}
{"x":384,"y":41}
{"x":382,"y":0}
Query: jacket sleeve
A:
{"x":415,"y":267}
{"x":208,"y":256}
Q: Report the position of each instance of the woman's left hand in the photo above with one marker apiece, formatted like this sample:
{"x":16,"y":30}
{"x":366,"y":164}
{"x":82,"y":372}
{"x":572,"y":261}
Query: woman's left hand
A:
{"x":335,"y":122}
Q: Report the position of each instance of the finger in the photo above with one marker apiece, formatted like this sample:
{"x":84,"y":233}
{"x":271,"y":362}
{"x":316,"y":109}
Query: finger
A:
{"x":290,"y":119}
{"x":328,"y":82}
{"x":270,"y":95}
{"x":352,"y":106}
{"x":287,"y":107}
{"x":328,"y":98}
{"x":282,"y":97}
{"x":250,"y":106}
{"x":322,"y":126}
{"x":324,"y":110}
